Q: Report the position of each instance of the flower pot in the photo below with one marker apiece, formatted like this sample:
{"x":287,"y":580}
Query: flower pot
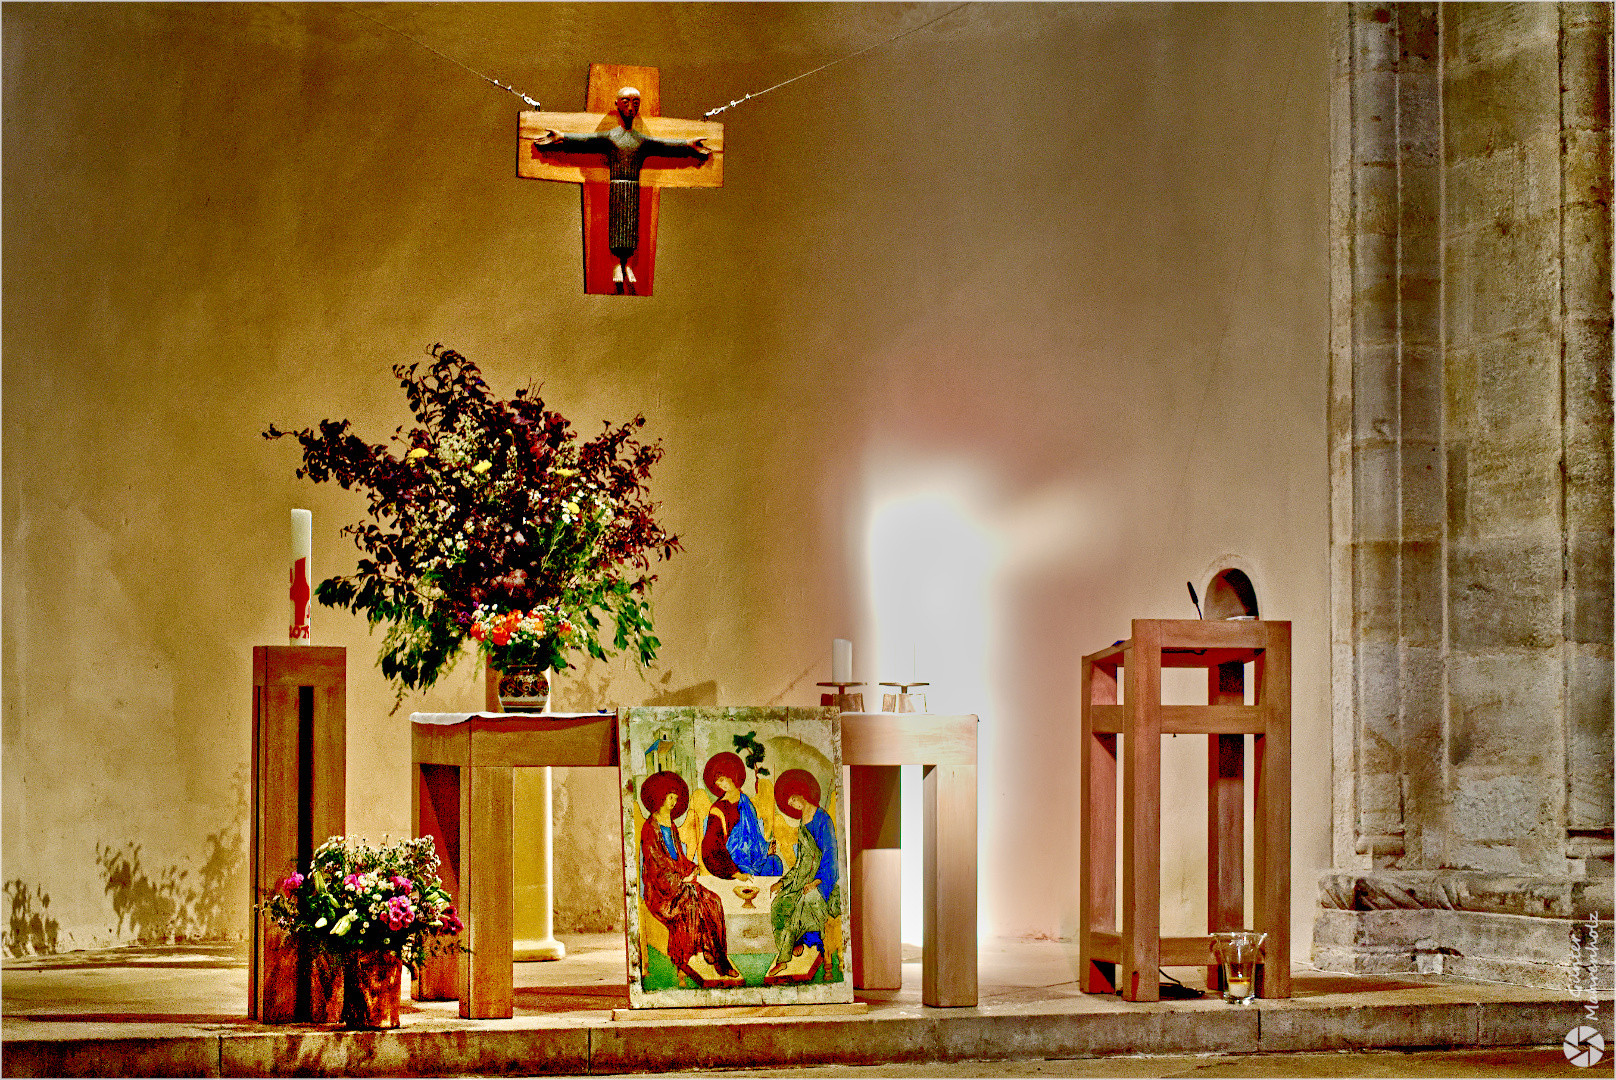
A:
{"x":370,"y":989}
{"x":524,"y":688}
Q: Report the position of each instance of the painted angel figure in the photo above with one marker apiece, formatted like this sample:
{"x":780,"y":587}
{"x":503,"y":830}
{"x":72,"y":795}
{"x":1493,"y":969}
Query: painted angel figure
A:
{"x":733,"y":844}
{"x":807,"y":897}
{"x":625,"y":150}
{"x":698,"y":940}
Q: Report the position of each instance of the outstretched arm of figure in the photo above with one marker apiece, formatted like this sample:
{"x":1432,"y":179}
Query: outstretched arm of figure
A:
{"x":678,"y":147}
{"x":566,"y":140}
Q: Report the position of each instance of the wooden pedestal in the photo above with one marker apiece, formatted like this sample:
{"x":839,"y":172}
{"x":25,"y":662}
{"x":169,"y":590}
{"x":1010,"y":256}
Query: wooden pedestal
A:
{"x":1127,"y":960}
{"x":299,"y":796}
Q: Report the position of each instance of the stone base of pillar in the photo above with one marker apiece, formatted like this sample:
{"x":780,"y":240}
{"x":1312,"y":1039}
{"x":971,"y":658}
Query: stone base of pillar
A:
{"x":1551,"y":933}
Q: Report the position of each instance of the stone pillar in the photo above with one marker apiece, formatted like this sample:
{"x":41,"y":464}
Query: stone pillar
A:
{"x":1471,"y":487}
{"x":1585,"y":117}
{"x":1386,"y":427}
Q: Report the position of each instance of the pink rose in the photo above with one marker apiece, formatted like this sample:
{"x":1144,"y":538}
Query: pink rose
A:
{"x":290,"y":884}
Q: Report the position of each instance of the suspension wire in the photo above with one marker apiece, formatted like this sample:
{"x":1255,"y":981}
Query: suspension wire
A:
{"x":354,"y":10}
{"x":710,"y":113}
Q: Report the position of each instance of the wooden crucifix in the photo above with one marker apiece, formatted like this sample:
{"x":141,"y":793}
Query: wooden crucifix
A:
{"x":621,"y":151}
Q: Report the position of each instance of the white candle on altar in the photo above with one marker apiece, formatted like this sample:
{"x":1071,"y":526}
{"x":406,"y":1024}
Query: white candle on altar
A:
{"x":302,"y":576}
{"x":841,"y":660}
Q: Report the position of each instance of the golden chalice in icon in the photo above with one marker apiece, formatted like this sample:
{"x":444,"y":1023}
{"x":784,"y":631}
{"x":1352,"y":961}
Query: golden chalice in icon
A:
{"x":747,"y":893}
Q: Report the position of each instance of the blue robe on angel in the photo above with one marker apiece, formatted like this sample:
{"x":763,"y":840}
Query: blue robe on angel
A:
{"x":733,"y":843}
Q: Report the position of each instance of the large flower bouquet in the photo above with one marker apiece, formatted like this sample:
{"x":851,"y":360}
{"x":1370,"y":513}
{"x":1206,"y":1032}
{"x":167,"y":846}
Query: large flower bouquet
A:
{"x":355,"y":896}
{"x":493,"y":522}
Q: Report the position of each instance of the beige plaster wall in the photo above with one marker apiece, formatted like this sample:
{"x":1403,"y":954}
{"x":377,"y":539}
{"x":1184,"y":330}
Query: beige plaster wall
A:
{"x":1054,"y":274}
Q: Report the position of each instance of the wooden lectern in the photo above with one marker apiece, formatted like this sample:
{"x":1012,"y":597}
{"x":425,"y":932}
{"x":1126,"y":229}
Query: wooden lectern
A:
{"x":1126,"y":960}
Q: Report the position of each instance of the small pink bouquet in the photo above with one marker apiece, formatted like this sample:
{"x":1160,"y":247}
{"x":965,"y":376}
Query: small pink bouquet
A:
{"x":356,"y":896}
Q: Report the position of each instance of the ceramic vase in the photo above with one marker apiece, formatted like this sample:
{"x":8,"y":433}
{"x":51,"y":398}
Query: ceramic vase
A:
{"x":525,"y":688}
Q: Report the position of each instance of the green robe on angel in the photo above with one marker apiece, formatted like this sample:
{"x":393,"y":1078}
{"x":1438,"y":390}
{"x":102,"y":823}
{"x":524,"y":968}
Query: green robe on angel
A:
{"x":801,"y":908}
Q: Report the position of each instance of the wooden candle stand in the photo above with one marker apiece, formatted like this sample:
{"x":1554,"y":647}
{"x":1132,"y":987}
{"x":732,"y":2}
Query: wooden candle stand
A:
{"x":1128,"y":961}
{"x":841,"y":699}
{"x":903,"y":700}
{"x":299,"y":796}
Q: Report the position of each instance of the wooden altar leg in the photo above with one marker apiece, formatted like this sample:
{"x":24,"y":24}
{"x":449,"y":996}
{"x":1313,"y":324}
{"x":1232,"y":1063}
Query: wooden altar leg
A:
{"x":436,"y":813}
{"x":1272,"y":811}
{"x":488,"y":906}
{"x":1225,"y":814}
{"x":1097,"y":837}
{"x":876,"y":865}
{"x":1139,"y":970}
{"x":948,"y":963}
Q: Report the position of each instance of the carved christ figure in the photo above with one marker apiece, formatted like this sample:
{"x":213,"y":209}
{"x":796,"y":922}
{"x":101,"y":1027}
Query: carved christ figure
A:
{"x":626,"y":150}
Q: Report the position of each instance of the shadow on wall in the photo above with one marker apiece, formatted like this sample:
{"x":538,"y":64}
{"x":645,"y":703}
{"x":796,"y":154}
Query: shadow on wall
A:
{"x":172,"y":907}
{"x":29,"y":930}
{"x":701,"y":694}
{"x":587,"y":688}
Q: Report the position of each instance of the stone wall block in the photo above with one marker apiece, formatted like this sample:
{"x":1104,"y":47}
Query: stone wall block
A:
{"x":1458,"y":293}
{"x":1481,"y":34}
{"x":1374,"y":42}
{"x":1375,"y":396}
{"x":1421,"y":313}
{"x":1377,"y":693}
{"x":1518,"y":389}
{"x":1588,"y":490}
{"x":1511,"y":275}
{"x":1515,"y":491}
{"x":1375,"y":498}
{"x":1459,"y":391}
{"x":1380,"y":803}
{"x":1586,"y":166}
{"x":1588,"y":587}
{"x":1423,"y":496}
{"x":1424,"y":790}
{"x":1502,"y":278}
{"x":1376,"y":584}
{"x":1502,"y":711}
{"x":1513,"y":99}
{"x":1374,"y":290}
{"x":1420,"y":393}
{"x":1422,"y":596}
{"x":1587,"y":377}
{"x":1374,"y":120}
{"x":1477,"y":189}
{"x":1419,"y":203}
{"x":1422,"y":707}
{"x":1587,"y":267}
{"x":1459,"y":491}
{"x":1506,"y":822}
{"x":1374,"y":205}
{"x":1590,"y":708}
{"x":1419,"y":117}
{"x":1585,"y":65}
{"x":1504,"y":593}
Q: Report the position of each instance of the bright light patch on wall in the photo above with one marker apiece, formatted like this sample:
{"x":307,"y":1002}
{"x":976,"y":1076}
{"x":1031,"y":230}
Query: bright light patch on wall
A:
{"x":931,"y":557}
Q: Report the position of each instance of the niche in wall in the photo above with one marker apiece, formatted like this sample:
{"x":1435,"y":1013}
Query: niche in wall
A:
{"x":1230,"y":595}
